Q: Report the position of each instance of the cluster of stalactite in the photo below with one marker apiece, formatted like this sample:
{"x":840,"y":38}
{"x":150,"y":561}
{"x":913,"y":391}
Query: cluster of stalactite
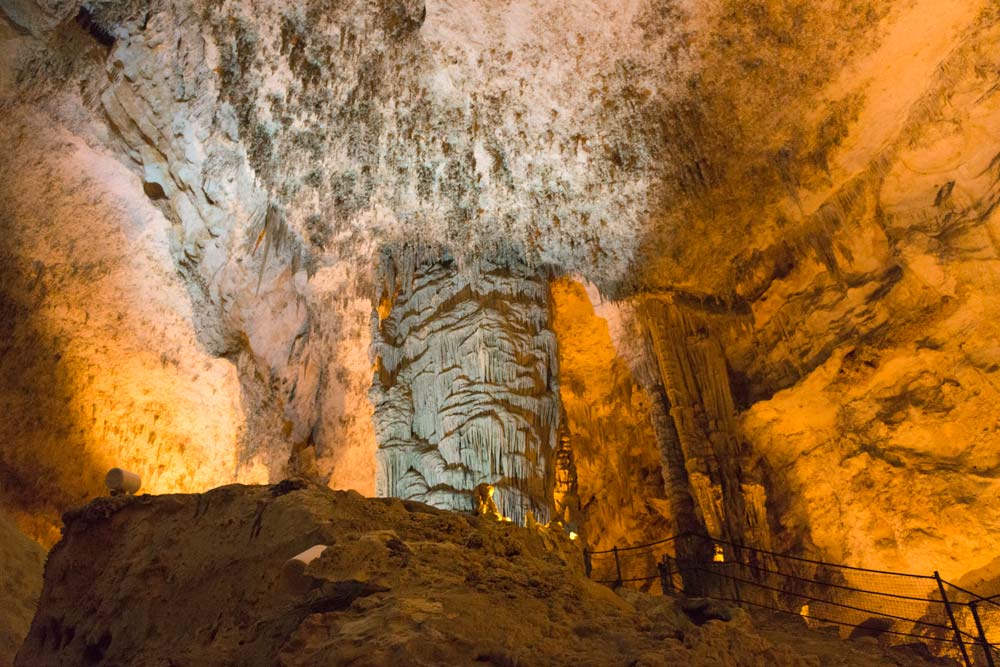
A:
{"x":566,"y":495}
{"x":464,"y":388}
{"x":708,"y":470}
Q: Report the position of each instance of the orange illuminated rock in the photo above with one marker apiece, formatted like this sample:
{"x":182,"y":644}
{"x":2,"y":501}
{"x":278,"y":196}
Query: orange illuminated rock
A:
{"x":801,"y":197}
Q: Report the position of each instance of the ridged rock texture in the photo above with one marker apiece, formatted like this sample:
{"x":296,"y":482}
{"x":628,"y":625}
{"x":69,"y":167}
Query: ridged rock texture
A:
{"x":608,"y":424}
{"x":695,"y":391}
{"x":860,"y":329}
{"x":750,"y":246}
{"x":465,"y":387}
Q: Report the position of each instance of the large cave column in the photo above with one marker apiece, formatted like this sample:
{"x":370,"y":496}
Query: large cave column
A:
{"x":720,"y":475}
{"x":464,"y":389}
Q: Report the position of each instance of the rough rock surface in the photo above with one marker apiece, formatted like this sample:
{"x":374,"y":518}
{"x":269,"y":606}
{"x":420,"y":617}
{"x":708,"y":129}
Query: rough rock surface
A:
{"x":620,"y":480}
{"x":872,"y":331}
{"x":101,"y":361}
{"x":196,"y":579}
{"x":155,"y":310}
{"x":21,"y":564}
{"x":849,"y":282}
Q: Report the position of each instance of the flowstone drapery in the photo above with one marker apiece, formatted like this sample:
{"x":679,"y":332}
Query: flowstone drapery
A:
{"x":465,"y":387}
{"x":694,"y":419}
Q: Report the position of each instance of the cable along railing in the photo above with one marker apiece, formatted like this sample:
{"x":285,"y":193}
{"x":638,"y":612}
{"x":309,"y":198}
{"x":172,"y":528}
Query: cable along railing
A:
{"x":858,"y":601}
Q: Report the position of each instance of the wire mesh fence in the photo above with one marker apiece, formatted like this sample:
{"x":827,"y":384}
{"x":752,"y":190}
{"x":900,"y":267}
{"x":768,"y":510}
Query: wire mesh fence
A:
{"x":894,"y":606}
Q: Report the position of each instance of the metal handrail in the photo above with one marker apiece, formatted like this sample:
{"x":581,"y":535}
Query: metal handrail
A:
{"x":961,"y":638}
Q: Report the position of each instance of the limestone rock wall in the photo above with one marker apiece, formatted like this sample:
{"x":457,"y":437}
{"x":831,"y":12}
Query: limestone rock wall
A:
{"x":608,"y":426}
{"x":204,"y":349}
{"x":908,"y":388}
{"x":465,"y":389}
{"x":845,"y":302}
{"x":101,"y":361}
{"x":857,"y":323}
{"x":900,"y":403}
{"x":21,"y":565}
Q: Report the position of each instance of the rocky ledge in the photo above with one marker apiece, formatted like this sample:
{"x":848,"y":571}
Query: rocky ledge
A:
{"x":196,"y":579}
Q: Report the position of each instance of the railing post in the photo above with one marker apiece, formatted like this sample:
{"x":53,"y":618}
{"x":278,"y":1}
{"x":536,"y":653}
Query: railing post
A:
{"x":987,"y":649}
{"x":951,"y":617}
{"x":618,"y":567}
{"x":587,"y":564}
{"x":666,"y":576}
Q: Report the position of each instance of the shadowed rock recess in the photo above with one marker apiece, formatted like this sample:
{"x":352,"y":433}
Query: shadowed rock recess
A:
{"x":21,"y":562}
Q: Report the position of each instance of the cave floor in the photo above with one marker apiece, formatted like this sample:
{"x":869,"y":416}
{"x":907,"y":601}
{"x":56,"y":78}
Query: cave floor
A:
{"x":832,"y":651}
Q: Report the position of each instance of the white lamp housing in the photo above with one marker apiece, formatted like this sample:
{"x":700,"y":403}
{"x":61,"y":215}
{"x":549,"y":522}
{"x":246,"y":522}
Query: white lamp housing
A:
{"x":121,"y":481}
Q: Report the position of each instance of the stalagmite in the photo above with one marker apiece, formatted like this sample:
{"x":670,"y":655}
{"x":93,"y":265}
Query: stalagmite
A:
{"x":567,"y":491}
{"x":465,"y":386}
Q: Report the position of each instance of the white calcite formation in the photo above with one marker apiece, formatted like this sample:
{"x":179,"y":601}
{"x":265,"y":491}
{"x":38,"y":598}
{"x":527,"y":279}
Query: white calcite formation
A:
{"x":465,"y":387}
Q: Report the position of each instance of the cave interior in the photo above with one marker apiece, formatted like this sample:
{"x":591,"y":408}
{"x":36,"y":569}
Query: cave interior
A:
{"x":633,"y":291}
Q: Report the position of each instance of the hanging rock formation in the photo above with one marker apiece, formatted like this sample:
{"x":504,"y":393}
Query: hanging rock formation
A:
{"x":607,"y":419}
{"x":692,"y":367}
{"x":566,"y":491}
{"x":465,"y":387}
{"x":281,"y":148}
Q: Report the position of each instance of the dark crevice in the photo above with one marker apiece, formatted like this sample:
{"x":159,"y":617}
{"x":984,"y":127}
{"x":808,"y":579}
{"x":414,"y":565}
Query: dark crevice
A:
{"x":94,"y":652}
{"x":86,"y":20}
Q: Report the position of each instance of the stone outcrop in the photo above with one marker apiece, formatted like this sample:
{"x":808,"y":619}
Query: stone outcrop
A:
{"x":197,"y":579}
{"x":21,"y":564}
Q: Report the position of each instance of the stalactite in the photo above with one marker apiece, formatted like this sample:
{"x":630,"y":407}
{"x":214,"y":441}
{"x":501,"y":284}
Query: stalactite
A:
{"x":465,"y":385}
{"x":687,"y":514}
{"x":695,"y":389}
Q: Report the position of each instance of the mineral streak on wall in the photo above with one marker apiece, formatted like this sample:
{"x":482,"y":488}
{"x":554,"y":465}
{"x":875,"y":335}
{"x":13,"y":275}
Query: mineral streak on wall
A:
{"x":464,"y":391}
